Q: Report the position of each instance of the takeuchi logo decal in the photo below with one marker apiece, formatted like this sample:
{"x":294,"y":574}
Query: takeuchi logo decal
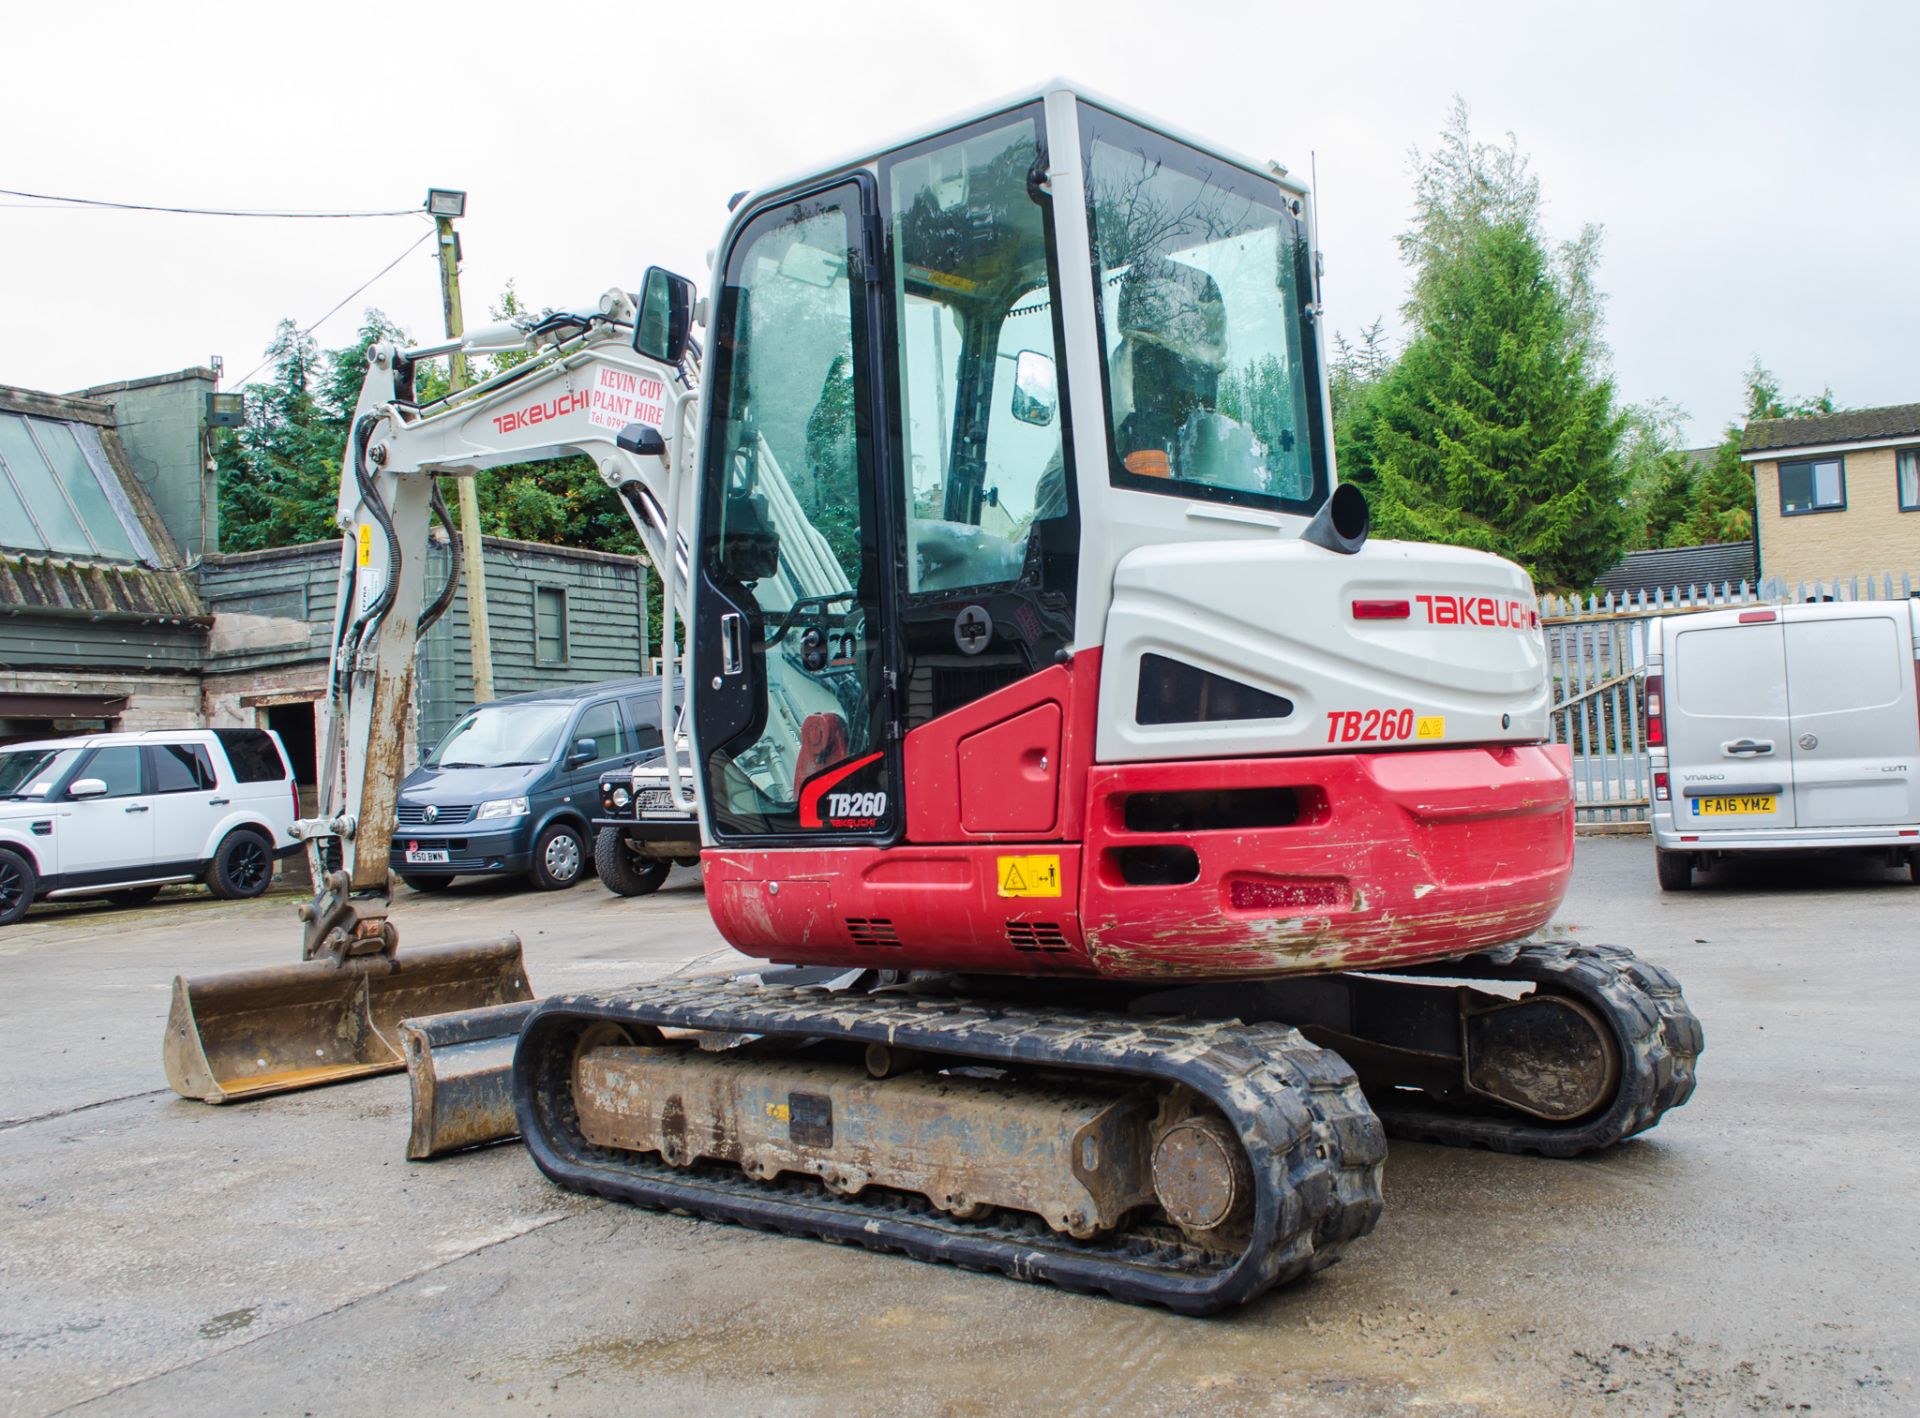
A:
{"x":557,"y":407}
{"x":843,"y":809}
{"x":1479,"y":610}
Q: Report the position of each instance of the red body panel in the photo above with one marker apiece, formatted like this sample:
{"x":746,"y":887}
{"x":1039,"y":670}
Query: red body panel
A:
{"x":1343,"y":860}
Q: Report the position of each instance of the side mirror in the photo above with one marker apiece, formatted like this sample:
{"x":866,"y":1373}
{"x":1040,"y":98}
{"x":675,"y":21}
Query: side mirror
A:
{"x":585,"y":750}
{"x":1036,"y":388}
{"x":666,"y":316}
{"x":87,"y":788}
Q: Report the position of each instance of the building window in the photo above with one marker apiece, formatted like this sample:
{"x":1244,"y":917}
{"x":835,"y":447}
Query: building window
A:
{"x":58,"y":493}
{"x":549,"y":625}
{"x":1818,"y":486}
{"x":1907,"y":477}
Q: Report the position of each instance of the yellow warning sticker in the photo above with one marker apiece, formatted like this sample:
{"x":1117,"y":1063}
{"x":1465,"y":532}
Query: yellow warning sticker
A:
{"x":366,"y":544}
{"x":779,"y":1112}
{"x":1029,"y":876}
{"x":1430,"y":726}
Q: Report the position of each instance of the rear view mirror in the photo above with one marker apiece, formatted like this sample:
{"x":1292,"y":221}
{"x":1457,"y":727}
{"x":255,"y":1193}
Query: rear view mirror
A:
{"x":87,"y":788}
{"x":666,"y":316}
{"x":585,"y":750}
{"x":1036,"y":388}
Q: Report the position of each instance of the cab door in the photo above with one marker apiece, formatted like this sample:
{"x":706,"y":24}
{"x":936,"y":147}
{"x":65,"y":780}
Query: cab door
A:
{"x":1856,"y":733}
{"x":794,"y":716}
{"x":1729,"y":749}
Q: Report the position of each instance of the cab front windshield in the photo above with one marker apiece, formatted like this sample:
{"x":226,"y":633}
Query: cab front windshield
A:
{"x":503,"y":736}
{"x":1203,"y":295}
{"x":32,"y":772}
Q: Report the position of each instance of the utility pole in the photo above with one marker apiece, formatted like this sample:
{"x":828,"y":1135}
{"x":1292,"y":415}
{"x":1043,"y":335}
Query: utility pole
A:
{"x":444,"y":205}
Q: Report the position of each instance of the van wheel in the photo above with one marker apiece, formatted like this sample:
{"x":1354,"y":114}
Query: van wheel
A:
{"x":559,"y":858}
{"x":16,"y":886}
{"x":1675,"y":869}
{"x":133,"y":895}
{"x":624,"y":872}
{"x":1913,"y":864}
{"x":242,"y":866}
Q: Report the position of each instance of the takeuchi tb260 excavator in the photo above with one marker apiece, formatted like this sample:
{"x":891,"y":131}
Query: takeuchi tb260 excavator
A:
{"x":1160,"y":842}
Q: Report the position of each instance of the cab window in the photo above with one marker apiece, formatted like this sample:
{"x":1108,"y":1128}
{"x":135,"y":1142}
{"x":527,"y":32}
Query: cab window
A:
{"x":984,"y":463}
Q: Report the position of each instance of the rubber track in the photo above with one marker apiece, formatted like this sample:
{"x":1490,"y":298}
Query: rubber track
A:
{"x":1315,"y":1146}
{"x":1659,"y":1037}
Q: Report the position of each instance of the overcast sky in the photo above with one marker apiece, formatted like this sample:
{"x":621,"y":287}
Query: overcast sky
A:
{"x":1756,"y":167}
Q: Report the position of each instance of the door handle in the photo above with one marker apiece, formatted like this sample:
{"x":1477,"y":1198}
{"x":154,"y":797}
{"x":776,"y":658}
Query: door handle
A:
{"x":1747,"y":747}
{"x":135,"y":807}
{"x":217,"y":802}
{"x":733,"y":627}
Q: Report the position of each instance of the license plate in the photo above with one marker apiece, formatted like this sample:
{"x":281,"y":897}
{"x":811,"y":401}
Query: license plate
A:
{"x":653,"y":800}
{"x":419,"y":857}
{"x":1735,"y":807}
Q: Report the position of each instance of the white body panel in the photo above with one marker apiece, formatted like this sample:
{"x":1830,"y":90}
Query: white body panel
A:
{"x":1816,"y":706}
{"x":1277,"y":614}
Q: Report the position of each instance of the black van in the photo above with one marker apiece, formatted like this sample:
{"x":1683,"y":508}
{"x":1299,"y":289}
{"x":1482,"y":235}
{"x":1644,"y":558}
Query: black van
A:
{"x":513,"y":788}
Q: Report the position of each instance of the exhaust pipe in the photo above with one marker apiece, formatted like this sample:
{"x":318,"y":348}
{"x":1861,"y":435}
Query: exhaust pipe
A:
{"x":1342,"y":523}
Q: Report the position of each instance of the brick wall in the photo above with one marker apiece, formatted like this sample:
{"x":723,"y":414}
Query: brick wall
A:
{"x":1870,"y":536}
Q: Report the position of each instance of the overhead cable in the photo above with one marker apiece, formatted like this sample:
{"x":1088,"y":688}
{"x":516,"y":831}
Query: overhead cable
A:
{"x":412,"y":247}
{"x":201,"y":211}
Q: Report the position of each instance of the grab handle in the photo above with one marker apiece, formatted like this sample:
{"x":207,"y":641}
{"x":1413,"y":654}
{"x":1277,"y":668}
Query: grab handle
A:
{"x":1747,"y":748}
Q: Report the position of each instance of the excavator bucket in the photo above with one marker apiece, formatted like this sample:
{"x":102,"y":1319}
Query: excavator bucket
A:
{"x":460,"y":1069}
{"x":252,"y":1032}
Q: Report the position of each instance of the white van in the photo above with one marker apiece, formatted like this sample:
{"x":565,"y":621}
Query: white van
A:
{"x":1785,"y":729}
{"x":122,"y":815}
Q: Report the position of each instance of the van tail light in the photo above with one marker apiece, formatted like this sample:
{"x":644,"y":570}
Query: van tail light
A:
{"x":293,"y":786}
{"x":1660,"y":789}
{"x":1656,"y":702}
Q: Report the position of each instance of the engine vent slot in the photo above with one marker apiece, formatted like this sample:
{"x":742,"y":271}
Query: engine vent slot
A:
{"x":872,"y":930}
{"x":1043,"y":937}
{"x":1221,"y":810}
{"x":1166,"y":865}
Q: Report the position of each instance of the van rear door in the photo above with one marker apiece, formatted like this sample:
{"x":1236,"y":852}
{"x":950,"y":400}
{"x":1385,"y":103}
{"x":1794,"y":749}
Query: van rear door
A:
{"x":1728,"y":746}
{"x":1856,"y":733}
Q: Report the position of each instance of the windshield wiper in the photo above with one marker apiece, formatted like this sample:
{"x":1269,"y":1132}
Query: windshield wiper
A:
{"x":462,"y":765}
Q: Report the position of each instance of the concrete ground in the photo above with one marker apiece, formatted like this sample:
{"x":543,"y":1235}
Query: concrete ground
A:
{"x":1756,"y":1253}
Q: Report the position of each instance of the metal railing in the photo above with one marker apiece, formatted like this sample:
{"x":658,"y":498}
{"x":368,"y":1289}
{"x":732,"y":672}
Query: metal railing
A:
{"x":1596,"y":664}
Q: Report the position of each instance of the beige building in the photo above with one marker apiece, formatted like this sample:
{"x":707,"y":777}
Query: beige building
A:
{"x":1838,"y":495}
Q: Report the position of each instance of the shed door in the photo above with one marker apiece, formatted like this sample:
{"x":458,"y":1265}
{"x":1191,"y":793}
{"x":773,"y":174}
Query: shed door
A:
{"x":1729,"y":750}
{"x":1850,"y":687}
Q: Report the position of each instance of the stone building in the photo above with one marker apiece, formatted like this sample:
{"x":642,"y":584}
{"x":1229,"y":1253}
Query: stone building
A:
{"x":117,"y":610}
{"x":1837,"y":495}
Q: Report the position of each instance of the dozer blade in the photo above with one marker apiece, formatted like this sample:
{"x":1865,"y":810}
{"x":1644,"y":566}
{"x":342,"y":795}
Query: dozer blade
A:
{"x":248,"y":1033}
{"x":460,"y":1070}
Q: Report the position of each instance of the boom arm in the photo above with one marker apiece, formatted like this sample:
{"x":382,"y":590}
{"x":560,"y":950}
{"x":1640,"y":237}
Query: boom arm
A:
{"x":582,"y":388}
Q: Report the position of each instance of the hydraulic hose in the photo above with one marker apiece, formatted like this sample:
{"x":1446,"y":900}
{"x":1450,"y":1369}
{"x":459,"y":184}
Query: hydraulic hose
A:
{"x":444,"y":599}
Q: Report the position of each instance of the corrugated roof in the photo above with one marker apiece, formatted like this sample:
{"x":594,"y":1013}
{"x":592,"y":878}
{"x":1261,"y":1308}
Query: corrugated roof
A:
{"x":58,"y":586}
{"x":1671,"y":568}
{"x":1819,"y":430}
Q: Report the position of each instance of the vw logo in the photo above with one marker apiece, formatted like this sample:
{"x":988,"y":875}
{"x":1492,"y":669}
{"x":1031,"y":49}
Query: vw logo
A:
{"x":432,"y":814}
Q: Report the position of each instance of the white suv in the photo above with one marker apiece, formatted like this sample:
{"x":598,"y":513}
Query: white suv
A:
{"x":121,"y":815}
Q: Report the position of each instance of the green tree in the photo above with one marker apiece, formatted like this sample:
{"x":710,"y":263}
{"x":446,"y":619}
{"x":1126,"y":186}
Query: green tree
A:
{"x":1656,"y":473}
{"x":1495,"y":428}
{"x":1491,"y":430}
